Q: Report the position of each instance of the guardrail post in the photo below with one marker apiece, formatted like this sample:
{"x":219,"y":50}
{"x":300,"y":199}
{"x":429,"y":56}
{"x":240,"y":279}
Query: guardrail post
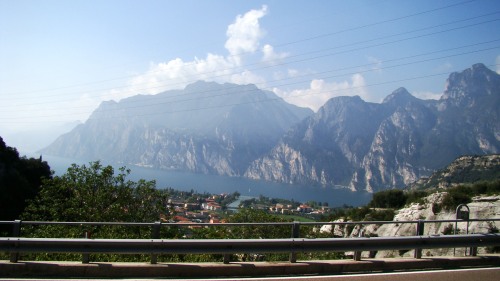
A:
{"x":86,"y":257}
{"x":226,"y":259}
{"x":155,"y":234}
{"x":420,"y":232}
{"x":16,"y":232}
{"x":473,"y":251}
{"x":357,"y":254}
{"x":295,"y":234}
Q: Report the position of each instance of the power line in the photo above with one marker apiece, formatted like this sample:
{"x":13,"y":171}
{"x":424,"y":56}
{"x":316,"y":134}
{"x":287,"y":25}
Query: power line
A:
{"x":299,"y":82}
{"x":249,"y":102}
{"x":279,"y":45}
{"x":376,"y":23}
{"x":342,"y":69}
{"x":320,"y":56}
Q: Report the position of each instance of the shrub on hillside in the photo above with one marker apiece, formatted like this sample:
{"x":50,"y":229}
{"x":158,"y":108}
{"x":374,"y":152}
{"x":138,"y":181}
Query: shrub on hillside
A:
{"x":393,"y":198}
{"x":416,"y":196}
{"x":484,"y":187}
{"x":456,"y":196}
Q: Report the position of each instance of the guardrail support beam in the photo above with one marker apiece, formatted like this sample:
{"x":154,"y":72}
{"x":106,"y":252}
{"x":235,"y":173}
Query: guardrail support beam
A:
{"x":420,"y":232}
{"x":16,"y":232}
{"x":155,"y":234}
{"x":295,"y":234}
{"x":86,"y":257}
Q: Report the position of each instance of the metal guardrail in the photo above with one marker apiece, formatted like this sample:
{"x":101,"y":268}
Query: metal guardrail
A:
{"x":232,"y":246}
{"x":155,"y":245}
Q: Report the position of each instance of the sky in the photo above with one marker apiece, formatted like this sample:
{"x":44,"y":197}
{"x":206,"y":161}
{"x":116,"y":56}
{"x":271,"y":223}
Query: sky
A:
{"x":60,"y":59}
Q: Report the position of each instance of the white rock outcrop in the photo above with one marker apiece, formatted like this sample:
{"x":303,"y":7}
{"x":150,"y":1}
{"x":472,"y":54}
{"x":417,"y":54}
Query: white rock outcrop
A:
{"x":481,"y":207}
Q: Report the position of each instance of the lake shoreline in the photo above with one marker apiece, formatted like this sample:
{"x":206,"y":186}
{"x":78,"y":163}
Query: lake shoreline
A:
{"x":214,"y":184}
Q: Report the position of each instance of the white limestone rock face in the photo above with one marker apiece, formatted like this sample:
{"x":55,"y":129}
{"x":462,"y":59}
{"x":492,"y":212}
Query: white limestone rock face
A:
{"x":481,"y":207}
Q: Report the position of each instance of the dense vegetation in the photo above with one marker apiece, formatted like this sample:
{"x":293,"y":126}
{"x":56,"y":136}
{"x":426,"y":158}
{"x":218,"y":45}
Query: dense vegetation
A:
{"x":195,"y":197}
{"x":20,"y":180}
{"x":95,"y":193}
{"x":395,"y":198}
{"x":462,"y":194}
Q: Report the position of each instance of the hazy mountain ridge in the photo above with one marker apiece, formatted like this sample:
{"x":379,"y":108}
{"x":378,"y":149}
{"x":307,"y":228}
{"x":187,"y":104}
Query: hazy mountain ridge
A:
{"x":378,"y":146}
{"x":243,"y":131}
{"x":207,"y":128}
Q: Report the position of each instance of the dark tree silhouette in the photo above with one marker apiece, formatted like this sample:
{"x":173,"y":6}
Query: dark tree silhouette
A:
{"x":20,"y":180}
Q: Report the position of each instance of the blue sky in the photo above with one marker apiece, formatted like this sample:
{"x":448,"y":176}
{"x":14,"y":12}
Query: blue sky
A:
{"x":60,"y":59}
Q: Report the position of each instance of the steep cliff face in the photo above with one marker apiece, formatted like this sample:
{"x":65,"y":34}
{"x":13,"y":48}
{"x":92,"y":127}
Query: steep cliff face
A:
{"x":394,"y":156}
{"x":378,"y":146}
{"x":324,"y":148}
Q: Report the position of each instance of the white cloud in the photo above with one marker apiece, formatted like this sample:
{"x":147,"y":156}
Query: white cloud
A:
{"x":176,"y":74}
{"x":427,"y":95}
{"x":243,"y":36}
{"x":320,"y":91}
{"x":270,"y":56}
{"x":245,"y":33}
{"x":247,"y":77}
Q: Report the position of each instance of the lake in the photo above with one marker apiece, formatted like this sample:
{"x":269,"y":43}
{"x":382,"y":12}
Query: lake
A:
{"x":222,"y":184}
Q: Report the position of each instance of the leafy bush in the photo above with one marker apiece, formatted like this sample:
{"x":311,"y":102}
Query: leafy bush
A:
{"x":382,"y":215}
{"x":416,"y":196}
{"x":393,"y":198}
{"x":96,"y":193}
{"x":358,"y":214}
{"x":463,"y":194}
{"x":488,"y":188}
{"x":456,"y":196}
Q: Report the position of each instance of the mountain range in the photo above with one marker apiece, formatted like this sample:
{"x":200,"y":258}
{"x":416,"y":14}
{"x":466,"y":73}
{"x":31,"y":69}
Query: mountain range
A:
{"x":240,"y":130}
{"x":206,"y":128}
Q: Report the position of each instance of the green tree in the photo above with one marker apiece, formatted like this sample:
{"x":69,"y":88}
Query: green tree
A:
{"x":262,"y":231}
{"x":461,"y":194}
{"x":20,"y":180}
{"x":393,"y":198}
{"x":95,"y":193}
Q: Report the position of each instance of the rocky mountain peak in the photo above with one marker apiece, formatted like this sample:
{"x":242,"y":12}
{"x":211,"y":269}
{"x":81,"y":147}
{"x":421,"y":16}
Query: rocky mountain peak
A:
{"x":210,"y":87}
{"x":399,"y":97}
{"x":201,"y":85}
{"x":463,"y":88}
{"x":338,"y":105}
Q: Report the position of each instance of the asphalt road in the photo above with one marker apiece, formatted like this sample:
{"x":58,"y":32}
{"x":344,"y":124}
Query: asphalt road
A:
{"x":481,"y":274}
